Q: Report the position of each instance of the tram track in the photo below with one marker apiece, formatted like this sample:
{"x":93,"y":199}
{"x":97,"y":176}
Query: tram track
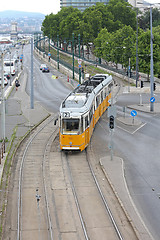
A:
{"x":91,"y":220}
{"x":40,"y":183}
{"x":30,"y":215}
{"x":48,"y":188}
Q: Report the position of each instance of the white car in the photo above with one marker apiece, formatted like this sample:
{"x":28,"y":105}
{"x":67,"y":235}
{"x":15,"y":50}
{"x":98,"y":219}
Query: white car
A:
{"x":5,"y":81}
{"x":43,"y":66}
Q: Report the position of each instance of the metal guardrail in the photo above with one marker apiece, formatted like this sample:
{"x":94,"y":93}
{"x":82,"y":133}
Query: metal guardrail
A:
{"x":70,"y":66}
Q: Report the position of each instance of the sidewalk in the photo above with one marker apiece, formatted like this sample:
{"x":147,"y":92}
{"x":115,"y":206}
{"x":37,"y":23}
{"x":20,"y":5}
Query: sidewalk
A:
{"x":114,"y":172}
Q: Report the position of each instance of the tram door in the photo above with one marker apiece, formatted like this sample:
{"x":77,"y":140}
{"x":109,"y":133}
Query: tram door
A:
{"x":86,"y":123}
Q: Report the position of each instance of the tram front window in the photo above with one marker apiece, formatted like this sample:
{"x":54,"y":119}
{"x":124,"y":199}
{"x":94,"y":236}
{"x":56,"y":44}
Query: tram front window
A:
{"x":70,"y":126}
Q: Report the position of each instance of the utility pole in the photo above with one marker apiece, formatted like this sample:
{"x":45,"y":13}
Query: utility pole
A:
{"x":79,"y":45}
{"x":137,"y":73}
{"x":73,"y":52}
{"x":58,"y":51}
{"x":152,"y":76}
{"x":129,"y":74}
{"x":3,"y":101}
{"x":32,"y":88}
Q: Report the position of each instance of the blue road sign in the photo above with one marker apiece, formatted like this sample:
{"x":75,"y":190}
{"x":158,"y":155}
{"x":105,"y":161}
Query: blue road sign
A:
{"x":152,"y":99}
{"x":133,"y":113}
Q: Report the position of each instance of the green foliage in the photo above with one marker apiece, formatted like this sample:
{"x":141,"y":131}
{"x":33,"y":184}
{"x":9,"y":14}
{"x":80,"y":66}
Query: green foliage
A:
{"x":116,"y":47}
{"x":144,"y":52}
{"x":122,"y":12}
{"x":144,"y":19}
{"x":112,"y":29}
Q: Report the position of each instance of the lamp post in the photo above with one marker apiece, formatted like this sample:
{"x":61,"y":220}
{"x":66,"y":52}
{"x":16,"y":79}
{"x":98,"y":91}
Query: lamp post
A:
{"x":3,"y":101}
{"x":137,"y":73}
{"x":58,"y":51}
{"x":73,"y":52}
{"x":151,"y":67}
{"x":79,"y":45}
{"x":151,"y":63}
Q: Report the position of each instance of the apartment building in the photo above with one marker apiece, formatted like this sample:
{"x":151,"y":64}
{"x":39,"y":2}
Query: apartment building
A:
{"x":80,"y":4}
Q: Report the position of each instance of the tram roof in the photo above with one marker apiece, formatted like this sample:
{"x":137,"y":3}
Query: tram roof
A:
{"x":81,"y":98}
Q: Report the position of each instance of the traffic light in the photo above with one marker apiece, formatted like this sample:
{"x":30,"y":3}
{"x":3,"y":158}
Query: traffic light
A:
{"x":154,"y":86}
{"x":111,"y":122}
{"x":142,"y":84}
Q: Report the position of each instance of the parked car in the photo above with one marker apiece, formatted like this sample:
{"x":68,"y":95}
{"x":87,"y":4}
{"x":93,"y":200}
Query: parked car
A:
{"x":45,"y":69}
{"x":5,"y":81}
{"x":43,"y":66}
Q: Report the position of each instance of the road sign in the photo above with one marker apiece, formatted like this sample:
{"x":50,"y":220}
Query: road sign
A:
{"x":152,"y":99}
{"x":79,"y":65}
{"x":133,"y":113}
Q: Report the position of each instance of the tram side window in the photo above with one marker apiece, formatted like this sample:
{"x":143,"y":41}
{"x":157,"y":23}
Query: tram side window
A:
{"x":101,"y":96}
{"x":86,"y":122}
{"x":81,"y":127}
{"x":110,"y":87}
{"x":97,"y":101}
{"x":105,"y":93}
{"x":91,"y":114}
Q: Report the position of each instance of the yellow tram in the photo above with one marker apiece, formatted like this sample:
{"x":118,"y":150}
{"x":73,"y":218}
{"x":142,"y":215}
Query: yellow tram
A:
{"x":81,"y":110}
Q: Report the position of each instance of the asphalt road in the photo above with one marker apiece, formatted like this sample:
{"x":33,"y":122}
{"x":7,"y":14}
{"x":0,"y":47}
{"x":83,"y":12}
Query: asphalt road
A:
{"x":48,"y":89}
{"x":138,"y":146}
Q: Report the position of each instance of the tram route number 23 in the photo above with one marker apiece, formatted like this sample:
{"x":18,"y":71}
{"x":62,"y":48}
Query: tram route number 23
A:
{"x":66,"y":114}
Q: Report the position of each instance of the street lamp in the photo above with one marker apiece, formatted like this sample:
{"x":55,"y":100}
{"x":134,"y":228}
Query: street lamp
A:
{"x":2,"y":100}
{"x":151,"y":70}
{"x":151,"y":63}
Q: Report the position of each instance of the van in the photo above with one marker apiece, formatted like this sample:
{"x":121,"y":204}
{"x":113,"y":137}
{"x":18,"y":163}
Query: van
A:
{"x":9,"y":66}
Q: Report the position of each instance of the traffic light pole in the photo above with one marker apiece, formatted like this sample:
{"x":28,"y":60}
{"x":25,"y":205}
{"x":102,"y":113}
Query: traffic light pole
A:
{"x":111,"y":126}
{"x":111,"y":144}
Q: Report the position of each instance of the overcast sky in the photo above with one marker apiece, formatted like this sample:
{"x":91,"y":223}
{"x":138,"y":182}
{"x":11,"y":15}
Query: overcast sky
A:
{"x":42,"y":6}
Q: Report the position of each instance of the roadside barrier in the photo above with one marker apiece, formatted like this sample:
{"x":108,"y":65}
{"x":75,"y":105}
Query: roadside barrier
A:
{"x":2,"y":151}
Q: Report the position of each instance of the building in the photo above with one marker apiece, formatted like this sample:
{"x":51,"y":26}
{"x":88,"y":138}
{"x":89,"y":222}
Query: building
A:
{"x":14,"y":32}
{"x":80,"y":4}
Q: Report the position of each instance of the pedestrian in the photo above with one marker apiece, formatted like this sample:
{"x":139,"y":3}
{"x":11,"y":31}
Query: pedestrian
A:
{"x":17,"y":84}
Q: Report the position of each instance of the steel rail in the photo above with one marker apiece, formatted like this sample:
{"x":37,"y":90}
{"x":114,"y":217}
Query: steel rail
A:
{"x":76,"y":200}
{"x":19,"y":210}
{"x":45,"y":189}
{"x":104,"y":200}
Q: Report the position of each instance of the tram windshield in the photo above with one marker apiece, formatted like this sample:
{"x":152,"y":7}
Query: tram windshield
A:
{"x":70,"y":126}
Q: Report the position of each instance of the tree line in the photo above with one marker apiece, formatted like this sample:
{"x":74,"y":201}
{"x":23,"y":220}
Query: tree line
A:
{"x":112,"y":30}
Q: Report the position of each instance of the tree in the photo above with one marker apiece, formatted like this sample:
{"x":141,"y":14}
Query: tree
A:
{"x":144,"y":52}
{"x":122,"y":12}
{"x":102,"y":45}
{"x":144,"y":19}
{"x":69,"y":24}
{"x":117,"y":47}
